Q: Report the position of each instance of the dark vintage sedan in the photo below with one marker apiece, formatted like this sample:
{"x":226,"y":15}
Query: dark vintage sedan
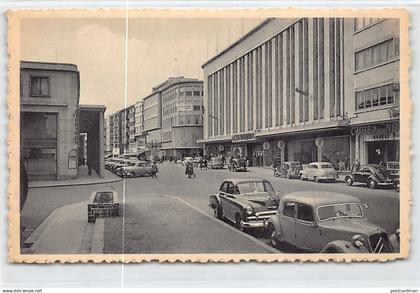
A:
{"x":288,"y":170}
{"x":237,"y":164}
{"x":372,"y":175}
{"x":248,"y":203}
{"x":326,"y":222}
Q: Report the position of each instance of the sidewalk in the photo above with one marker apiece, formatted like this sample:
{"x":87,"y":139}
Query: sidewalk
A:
{"x":84,"y":179}
{"x":64,"y":231}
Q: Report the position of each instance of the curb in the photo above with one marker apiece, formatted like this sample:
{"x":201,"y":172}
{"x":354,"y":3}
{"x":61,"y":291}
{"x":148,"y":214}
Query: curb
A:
{"x":97,"y":246}
{"x":61,"y":184}
{"x":33,"y":238}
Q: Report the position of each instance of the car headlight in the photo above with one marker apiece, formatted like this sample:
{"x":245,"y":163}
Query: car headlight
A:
{"x":249,"y":210}
{"x":358,"y":240}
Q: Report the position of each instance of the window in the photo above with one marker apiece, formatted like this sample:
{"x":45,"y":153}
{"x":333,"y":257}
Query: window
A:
{"x":230,"y":188}
{"x":360,"y":23}
{"x":196,"y":93}
{"x":377,"y":96}
{"x":224,"y":187}
{"x":377,"y":54}
{"x":189,"y":93}
{"x":289,"y":209}
{"x":40,"y":86}
{"x":304,"y":213}
{"x":196,"y":108}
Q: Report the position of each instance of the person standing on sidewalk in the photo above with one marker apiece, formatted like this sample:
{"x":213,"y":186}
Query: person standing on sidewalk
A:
{"x":154,"y":170}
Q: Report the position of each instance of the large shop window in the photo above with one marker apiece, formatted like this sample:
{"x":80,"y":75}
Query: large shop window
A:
{"x":39,"y":145}
{"x":377,"y":96}
{"x":383,"y":151}
{"x":336,"y":150}
{"x":304,"y":151}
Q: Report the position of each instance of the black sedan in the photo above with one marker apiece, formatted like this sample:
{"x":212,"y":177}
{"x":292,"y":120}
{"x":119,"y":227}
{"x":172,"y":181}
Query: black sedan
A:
{"x":372,"y":175}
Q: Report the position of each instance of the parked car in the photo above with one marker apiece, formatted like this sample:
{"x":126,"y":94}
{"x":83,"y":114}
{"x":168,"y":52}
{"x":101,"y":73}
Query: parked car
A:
{"x":372,"y":175}
{"x":134,"y":169}
{"x":326,"y":222}
{"x":248,"y":203}
{"x":216,"y":163}
{"x":319,"y":171}
{"x":288,"y":170}
{"x":197,"y":161}
{"x":237,"y":164}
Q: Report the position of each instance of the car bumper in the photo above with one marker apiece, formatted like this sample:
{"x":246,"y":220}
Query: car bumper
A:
{"x":254,"y":224}
{"x":329,"y":177}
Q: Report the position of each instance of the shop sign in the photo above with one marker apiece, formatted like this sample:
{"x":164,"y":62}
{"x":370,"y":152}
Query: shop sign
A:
{"x":375,"y":129}
{"x":266,"y":145}
{"x":281,"y":144}
{"x":244,"y":137}
{"x":116,"y":151}
{"x":184,"y":107}
{"x":76,"y":115}
{"x":319,"y":142}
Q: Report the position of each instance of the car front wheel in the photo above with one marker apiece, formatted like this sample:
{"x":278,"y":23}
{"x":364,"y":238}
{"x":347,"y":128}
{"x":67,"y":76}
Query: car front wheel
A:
{"x":132,"y":175}
{"x":217,"y":212}
{"x":372,"y":184}
{"x":349,"y":181}
{"x":274,"y":239}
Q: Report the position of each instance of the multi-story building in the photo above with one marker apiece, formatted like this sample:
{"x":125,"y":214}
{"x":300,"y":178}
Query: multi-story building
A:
{"x":375,"y":101}
{"x":107,"y":135}
{"x":153,"y":122}
{"x":132,"y":144}
{"x":114,"y":125}
{"x":140,"y":136}
{"x":286,"y":90}
{"x":52,"y":121}
{"x":182,"y":101}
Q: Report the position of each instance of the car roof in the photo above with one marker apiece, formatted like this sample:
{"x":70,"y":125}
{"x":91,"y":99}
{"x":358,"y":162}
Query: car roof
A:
{"x":292,"y":162}
{"x":319,"y":198}
{"x":245,"y":180}
{"x":318,"y":163}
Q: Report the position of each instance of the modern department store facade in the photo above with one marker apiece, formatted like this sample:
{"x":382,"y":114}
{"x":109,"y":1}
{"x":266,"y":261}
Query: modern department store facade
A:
{"x":306,"y":90}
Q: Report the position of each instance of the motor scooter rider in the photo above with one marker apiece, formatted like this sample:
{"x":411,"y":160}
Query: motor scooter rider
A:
{"x":189,"y":170}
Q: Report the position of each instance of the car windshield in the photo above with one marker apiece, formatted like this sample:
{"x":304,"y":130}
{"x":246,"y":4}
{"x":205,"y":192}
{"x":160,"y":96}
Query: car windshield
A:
{"x":217,"y":159}
{"x":295,"y":165}
{"x":255,"y":187}
{"x":326,"y":166}
{"x":343,"y":210}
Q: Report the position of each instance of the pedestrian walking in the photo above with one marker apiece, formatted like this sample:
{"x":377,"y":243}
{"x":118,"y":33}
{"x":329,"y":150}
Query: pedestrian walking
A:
{"x":154,"y":170}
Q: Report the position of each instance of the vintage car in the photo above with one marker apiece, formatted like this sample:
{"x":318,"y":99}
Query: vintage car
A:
{"x":248,"y":203}
{"x":118,"y":164}
{"x":372,"y":175}
{"x":197,"y":161}
{"x":237,"y":164}
{"x":288,"y":170}
{"x":134,"y":169}
{"x":319,"y":171}
{"x":326,"y":222}
{"x":216,"y":163}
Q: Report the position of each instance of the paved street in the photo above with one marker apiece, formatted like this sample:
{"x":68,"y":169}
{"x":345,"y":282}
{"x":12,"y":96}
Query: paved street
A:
{"x":150,"y":224}
{"x":170,"y":214}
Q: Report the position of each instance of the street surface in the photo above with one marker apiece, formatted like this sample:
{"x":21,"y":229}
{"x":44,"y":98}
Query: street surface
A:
{"x":147,"y":214}
{"x":170,"y":214}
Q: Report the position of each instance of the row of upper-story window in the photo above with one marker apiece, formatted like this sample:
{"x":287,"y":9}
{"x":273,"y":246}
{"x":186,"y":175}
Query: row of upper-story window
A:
{"x":361,"y":23}
{"x":172,"y":108}
{"x":182,"y":91}
{"x":182,"y":120}
{"x":378,"y":96}
{"x":377,"y":54}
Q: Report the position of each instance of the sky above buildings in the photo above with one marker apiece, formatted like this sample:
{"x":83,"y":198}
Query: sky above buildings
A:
{"x":156,"y":49}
